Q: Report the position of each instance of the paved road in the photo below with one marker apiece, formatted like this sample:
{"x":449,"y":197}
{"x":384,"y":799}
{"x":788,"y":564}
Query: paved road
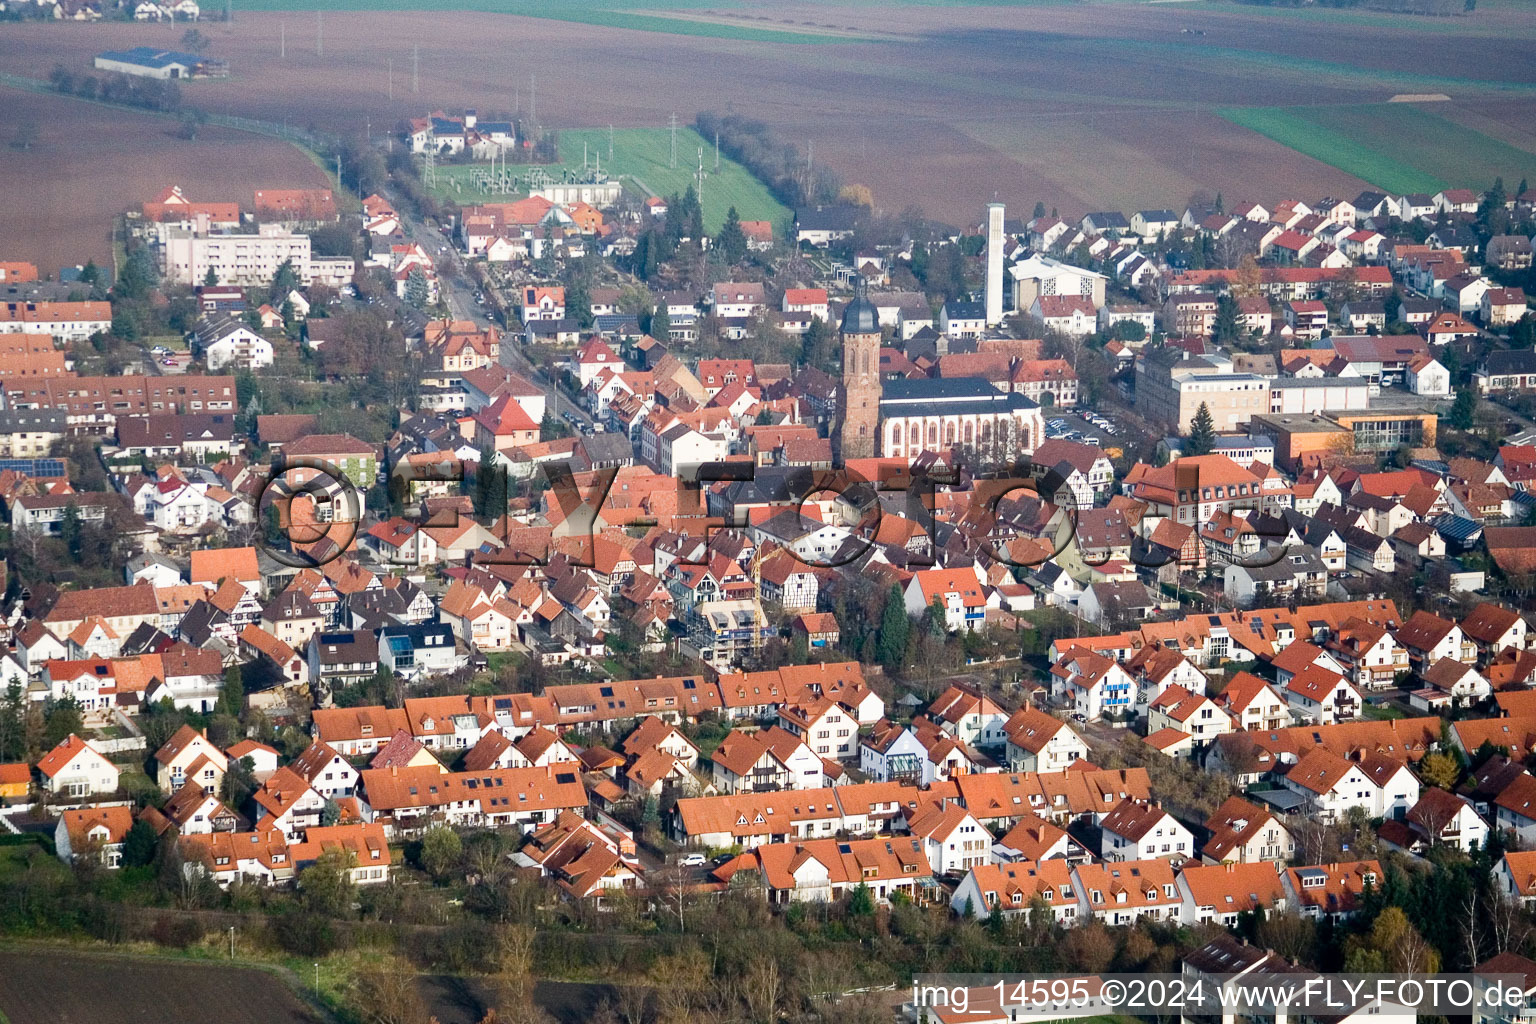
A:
{"x":459,"y":294}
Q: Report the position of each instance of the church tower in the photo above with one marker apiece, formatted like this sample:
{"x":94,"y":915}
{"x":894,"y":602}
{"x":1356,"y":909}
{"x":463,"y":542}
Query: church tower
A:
{"x":859,"y":434}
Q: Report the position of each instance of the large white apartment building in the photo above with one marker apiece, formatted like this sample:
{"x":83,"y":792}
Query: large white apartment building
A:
{"x":246,"y":259}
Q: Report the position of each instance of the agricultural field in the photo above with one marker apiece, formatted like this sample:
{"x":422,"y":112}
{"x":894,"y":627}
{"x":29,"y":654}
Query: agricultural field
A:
{"x":1399,"y":147}
{"x":1114,"y":106}
{"x":88,"y":163}
{"x":642,"y":158}
{"x":52,"y":987}
{"x":674,"y":17}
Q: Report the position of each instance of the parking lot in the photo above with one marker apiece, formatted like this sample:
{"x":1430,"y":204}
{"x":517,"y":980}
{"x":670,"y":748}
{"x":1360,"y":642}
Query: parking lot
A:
{"x":1075,"y":425}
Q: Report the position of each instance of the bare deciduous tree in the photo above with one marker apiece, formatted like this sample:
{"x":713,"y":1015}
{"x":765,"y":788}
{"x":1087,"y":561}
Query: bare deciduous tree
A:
{"x":387,"y":994}
{"x":759,"y":987}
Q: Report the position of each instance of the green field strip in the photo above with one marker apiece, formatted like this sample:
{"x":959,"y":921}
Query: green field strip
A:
{"x":1288,"y":127}
{"x":618,"y":14}
{"x":644,"y":156}
{"x":1398,"y":147}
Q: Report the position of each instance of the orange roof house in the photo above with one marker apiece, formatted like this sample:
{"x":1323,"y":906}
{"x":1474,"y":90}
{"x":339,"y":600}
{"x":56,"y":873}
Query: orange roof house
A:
{"x":307,"y":204}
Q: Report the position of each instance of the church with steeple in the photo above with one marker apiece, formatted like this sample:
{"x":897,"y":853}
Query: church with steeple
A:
{"x":905,"y":418}
{"x":860,"y":410}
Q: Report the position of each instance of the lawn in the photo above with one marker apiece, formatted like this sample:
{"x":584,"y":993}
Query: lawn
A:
{"x":1398,"y":147}
{"x":642,"y":158}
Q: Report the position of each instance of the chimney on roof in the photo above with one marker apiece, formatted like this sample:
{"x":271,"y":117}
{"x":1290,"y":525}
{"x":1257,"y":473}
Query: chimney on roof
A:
{"x":394,"y":769}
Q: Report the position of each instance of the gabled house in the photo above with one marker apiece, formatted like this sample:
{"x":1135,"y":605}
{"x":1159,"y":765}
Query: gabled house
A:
{"x":1136,"y":830}
{"x":1330,"y":891}
{"x":1039,"y":742}
{"x":1243,"y":833}
{"x":76,"y":769}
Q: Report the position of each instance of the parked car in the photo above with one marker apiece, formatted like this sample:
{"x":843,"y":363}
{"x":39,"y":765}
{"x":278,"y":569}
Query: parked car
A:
{"x":692,"y":860}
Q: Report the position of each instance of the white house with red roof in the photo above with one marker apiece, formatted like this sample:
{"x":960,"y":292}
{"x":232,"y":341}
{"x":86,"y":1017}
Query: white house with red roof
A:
{"x":1220,"y":892}
{"x":1142,"y":830}
{"x":1040,"y":742}
{"x":543,"y":302}
{"x":1323,"y":697}
{"x":969,"y":715}
{"x":1015,"y":888}
{"x":1119,"y":892}
{"x":190,"y":756}
{"x":74,"y":768}
{"x":953,"y":840}
{"x":1193,"y":714}
{"x":826,"y":726}
{"x":1093,"y":686}
{"x":288,"y":803}
{"x":591,"y":359}
{"x":959,"y":592}
{"x":87,"y":830}
{"x":504,"y":424}
{"x":806,"y":300}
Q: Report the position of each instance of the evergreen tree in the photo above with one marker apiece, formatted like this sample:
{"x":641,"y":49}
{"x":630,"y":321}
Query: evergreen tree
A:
{"x":938,"y":617}
{"x":816,"y":344}
{"x":90,"y":274}
{"x":232,"y":694}
{"x":693,"y":213}
{"x":139,"y":844}
{"x":1039,"y":210}
{"x":578,"y":303}
{"x":1202,"y":433}
{"x":1464,"y":409}
{"x":416,"y":291}
{"x":1226,"y":328}
{"x":211,"y":278}
{"x":661,"y":323}
{"x":284,"y":281}
{"x":1393,"y":306}
{"x":895,"y":629}
{"x":71,"y":529}
{"x":731,"y":242}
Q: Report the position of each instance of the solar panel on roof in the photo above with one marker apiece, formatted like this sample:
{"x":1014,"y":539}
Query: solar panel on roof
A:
{"x":34,"y":467}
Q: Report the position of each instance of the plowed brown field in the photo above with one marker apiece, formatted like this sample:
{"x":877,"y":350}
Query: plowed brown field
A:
{"x":1082,"y":106}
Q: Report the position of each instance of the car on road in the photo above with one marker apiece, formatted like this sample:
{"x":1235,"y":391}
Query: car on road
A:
{"x":692,"y":860}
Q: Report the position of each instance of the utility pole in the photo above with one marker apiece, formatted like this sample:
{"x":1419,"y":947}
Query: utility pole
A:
{"x":610,"y":145}
{"x":282,"y":39}
{"x":231,"y":942}
{"x":319,"y":33}
{"x":673,"y":122}
{"x":338,"y":171}
{"x":717,"y":151}
{"x":533,"y":98}
{"x":391,"y":78}
{"x":416,"y":68}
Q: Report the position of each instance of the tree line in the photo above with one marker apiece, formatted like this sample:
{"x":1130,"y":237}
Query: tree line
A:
{"x":792,"y":178}
{"x":128,"y":90}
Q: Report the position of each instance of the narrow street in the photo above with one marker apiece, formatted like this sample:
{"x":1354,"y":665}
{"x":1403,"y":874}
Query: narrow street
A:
{"x":458,"y":293}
